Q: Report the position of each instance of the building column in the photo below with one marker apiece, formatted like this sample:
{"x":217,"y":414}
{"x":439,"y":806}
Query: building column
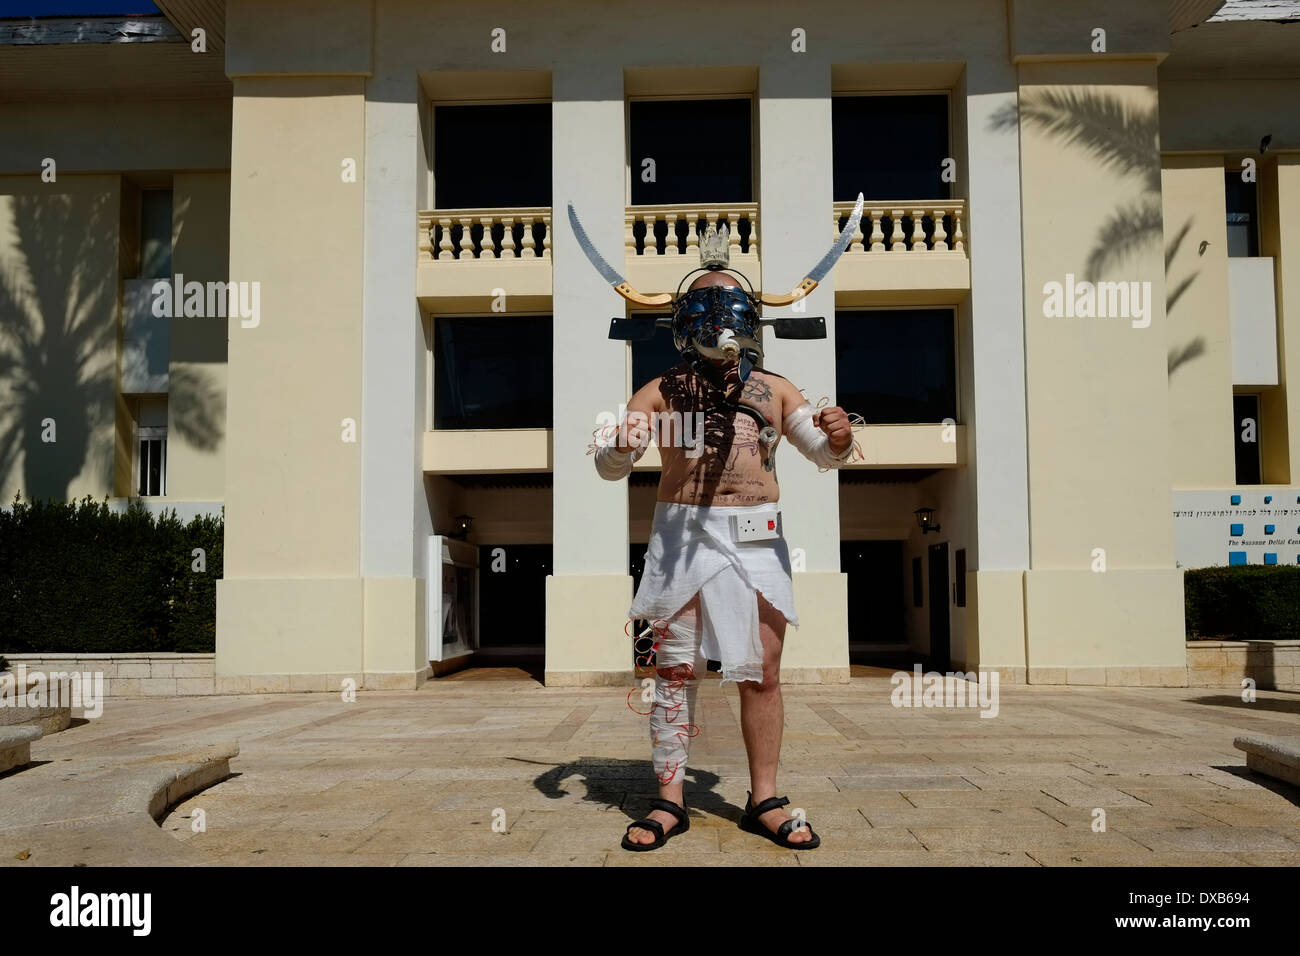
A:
{"x":1103,"y":598}
{"x":395,"y":519}
{"x":588,"y":596}
{"x":795,"y":210}
{"x":291,"y":601}
{"x":994,"y":393}
{"x":1280,"y":408}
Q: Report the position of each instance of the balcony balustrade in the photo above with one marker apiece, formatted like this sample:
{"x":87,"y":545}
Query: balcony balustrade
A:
{"x":904,"y":253}
{"x":900,"y":252}
{"x":669,"y":231}
{"x":464,"y":234}
{"x":906,"y":227}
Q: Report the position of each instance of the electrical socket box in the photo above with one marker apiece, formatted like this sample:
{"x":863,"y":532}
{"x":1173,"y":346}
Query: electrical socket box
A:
{"x":756,"y":527}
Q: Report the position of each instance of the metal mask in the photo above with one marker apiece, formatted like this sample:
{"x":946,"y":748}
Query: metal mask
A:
{"x":717,"y":322}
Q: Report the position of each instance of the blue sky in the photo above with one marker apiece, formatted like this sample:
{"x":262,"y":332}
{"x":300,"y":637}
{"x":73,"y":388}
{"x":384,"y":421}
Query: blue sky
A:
{"x":69,"y":8}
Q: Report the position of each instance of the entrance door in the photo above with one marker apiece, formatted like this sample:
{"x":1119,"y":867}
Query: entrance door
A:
{"x":875,"y":578}
{"x":939,"y":636}
{"x":451,"y":596}
{"x":512,"y":598}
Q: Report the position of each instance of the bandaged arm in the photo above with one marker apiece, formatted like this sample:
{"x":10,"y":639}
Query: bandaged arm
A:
{"x":811,"y":440}
{"x":612,"y":464}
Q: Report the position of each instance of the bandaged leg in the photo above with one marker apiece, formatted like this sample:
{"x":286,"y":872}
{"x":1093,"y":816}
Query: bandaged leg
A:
{"x":678,"y":666}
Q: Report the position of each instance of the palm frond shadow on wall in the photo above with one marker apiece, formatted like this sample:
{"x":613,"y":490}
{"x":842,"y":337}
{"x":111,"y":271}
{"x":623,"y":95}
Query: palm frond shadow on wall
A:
{"x":59,"y":353}
{"x":1125,"y":138}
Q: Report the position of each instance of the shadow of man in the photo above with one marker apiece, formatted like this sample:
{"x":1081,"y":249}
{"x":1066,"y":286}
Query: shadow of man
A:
{"x":630,"y":785}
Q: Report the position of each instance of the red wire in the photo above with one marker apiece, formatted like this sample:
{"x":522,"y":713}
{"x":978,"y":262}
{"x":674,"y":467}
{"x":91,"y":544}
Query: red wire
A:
{"x":688,"y":730}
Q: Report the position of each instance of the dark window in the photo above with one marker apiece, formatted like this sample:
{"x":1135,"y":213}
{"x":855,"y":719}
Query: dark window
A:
{"x":153,"y":456}
{"x":1245,"y":426}
{"x":889,"y":147}
{"x":918,"y":584}
{"x":961,"y":578}
{"x":492,"y":372}
{"x":896,"y":367}
{"x":702,"y":151}
{"x":156,"y":234}
{"x":652,"y":357}
{"x":492,"y":157}
{"x":1242,"y":203}
{"x":519,"y":581}
{"x":876,"y":589}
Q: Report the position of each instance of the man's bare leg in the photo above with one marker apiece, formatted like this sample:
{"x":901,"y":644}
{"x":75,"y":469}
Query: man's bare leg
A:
{"x":762,"y":718}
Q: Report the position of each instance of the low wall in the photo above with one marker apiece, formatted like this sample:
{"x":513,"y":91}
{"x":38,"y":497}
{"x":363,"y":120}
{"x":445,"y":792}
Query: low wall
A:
{"x":53,"y":716}
{"x":135,"y":675}
{"x":194,"y":675}
{"x":1274,"y":665}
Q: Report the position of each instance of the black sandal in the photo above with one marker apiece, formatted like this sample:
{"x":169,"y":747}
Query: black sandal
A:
{"x":750,"y":823}
{"x":654,"y":826}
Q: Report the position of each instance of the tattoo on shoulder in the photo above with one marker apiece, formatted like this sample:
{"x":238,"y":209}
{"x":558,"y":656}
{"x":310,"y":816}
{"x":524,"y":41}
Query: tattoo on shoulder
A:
{"x":757,"y":390}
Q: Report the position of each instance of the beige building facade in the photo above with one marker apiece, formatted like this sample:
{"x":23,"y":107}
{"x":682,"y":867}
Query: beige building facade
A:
{"x":1064,"y":318}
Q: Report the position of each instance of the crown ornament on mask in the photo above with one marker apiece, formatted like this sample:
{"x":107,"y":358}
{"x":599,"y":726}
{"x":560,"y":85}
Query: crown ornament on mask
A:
{"x":715,"y":252}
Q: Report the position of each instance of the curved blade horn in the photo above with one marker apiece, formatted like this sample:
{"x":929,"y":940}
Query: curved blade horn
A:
{"x":827,"y":262}
{"x":608,"y":272}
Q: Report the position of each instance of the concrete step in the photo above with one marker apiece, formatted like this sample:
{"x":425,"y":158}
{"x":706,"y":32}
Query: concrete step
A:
{"x":16,"y":745}
{"x":102,"y":809}
{"x":1277,"y":757}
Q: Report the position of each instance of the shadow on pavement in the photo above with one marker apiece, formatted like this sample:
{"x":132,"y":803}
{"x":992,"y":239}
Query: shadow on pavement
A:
{"x":628,"y":785}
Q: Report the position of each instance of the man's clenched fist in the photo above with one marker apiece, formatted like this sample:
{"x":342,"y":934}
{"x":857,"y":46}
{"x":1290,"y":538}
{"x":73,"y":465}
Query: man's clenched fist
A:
{"x":834,"y":422}
{"x":634,"y":433}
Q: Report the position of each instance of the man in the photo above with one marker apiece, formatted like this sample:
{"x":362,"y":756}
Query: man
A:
{"x":717,"y":569}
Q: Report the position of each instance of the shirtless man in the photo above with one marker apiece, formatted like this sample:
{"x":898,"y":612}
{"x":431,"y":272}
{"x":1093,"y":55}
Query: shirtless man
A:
{"x":735,"y":470}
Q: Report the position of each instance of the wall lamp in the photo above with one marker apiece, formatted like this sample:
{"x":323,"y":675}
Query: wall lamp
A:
{"x":925,"y":520}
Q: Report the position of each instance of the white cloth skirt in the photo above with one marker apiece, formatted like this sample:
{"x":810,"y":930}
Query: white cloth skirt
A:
{"x":691,"y":551}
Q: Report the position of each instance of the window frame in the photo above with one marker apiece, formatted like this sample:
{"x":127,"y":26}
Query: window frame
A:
{"x":1256,"y":214}
{"x":955,"y":313}
{"x":946,"y":93}
{"x":754,"y":148}
{"x":431,"y":104}
{"x":171,"y":239}
{"x":1258,"y":398}
{"x":144,"y":433}
{"x":431,"y":343}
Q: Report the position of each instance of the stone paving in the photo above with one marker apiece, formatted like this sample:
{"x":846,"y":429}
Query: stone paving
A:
{"x":419,"y":778}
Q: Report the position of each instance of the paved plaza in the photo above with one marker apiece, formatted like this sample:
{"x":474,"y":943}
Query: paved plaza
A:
{"x":430,"y":777}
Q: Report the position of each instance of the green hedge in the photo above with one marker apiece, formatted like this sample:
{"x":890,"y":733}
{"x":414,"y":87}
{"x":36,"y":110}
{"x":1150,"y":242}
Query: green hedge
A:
{"x":1245,"y":602}
{"x":76,"y":577}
